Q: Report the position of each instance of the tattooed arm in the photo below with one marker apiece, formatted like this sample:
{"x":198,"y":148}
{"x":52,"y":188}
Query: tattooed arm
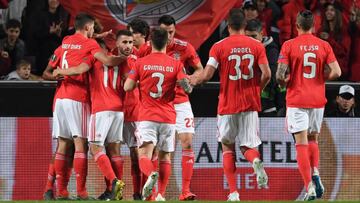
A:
{"x":185,"y":84}
{"x":282,"y":74}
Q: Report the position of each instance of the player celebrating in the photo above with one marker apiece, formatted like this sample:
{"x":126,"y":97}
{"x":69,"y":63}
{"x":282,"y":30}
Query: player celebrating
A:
{"x":157,"y":74}
{"x":184,"y":52}
{"x":71,"y":111}
{"x":141,"y":31}
{"x":244,"y":72}
{"x":301,"y":66}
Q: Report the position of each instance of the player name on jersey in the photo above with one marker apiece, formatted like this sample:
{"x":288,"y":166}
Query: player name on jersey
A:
{"x":309,"y":47}
{"x":159,"y":68}
{"x":71,"y":46}
{"x":240,"y":50}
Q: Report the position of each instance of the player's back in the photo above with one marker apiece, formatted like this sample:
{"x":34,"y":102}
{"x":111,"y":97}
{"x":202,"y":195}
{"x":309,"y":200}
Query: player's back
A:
{"x":106,"y":90}
{"x":158,"y":74}
{"x":307,"y":56}
{"x":238,"y":58}
{"x":75,"y":50}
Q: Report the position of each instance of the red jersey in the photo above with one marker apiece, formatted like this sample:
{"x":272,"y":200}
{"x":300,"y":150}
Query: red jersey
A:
{"x":54,"y":63}
{"x":238,"y":58}
{"x":76,"y":49}
{"x":306,"y":56}
{"x":157,"y":74}
{"x":179,"y":50}
{"x":106,"y":87}
{"x":131,"y":100}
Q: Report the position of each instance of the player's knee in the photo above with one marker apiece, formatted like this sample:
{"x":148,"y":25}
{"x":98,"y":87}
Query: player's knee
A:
{"x":164,"y":156}
{"x":313,"y":136}
{"x":186,"y":140}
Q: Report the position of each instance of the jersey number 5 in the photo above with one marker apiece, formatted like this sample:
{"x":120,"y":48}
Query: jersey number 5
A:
{"x":238,"y":60}
{"x":307,"y":56}
{"x":158,"y":85}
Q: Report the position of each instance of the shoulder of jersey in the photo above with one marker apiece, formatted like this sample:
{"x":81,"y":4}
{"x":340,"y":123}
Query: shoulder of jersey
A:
{"x":132,"y":56}
{"x":180,"y":42}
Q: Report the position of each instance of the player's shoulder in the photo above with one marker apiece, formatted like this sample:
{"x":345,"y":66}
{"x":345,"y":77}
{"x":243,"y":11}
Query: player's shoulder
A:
{"x":180,"y":42}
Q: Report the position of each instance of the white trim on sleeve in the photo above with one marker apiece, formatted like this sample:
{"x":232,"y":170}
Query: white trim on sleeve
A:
{"x":212,"y":62}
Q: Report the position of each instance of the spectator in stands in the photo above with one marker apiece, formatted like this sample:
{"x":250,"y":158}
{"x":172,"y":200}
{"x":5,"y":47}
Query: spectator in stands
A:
{"x":345,"y":103}
{"x":50,"y":28}
{"x":22,"y":72}
{"x":4,"y":63}
{"x":11,"y":44}
{"x":287,"y":23}
{"x":355,"y":42}
{"x":334,"y":31}
{"x":270,"y":94}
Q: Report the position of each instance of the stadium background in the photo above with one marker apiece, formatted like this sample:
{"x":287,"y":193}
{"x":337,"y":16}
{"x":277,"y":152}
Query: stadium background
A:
{"x":26,"y":145}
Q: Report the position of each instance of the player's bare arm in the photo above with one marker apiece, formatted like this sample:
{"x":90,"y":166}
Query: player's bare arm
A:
{"x":82,"y":68}
{"x":204,"y":76}
{"x":281,"y":74}
{"x":129,"y":85}
{"x":185,"y":84}
{"x":109,"y":60}
{"x":332,"y":71}
{"x":48,"y":73}
{"x":265,"y":75}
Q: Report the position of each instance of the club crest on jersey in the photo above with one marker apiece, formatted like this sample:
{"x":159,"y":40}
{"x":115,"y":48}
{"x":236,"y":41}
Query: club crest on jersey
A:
{"x":125,"y":11}
{"x":177,"y":56}
{"x":53,"y":57}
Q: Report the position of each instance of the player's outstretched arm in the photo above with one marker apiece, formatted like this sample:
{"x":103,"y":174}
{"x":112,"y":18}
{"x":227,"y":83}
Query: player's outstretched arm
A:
{"x":332,"y":71}
{"x":77,"y":70}
{"x":109,"y":60}
{"x":282,"y":77}
{"x":129,"y":85}
{"x":265,"y":75}
{"x":204,"y":76}
{"x":185,"y":84}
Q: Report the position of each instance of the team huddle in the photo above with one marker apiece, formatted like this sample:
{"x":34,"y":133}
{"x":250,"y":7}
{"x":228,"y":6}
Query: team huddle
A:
{"x":137,"y":94}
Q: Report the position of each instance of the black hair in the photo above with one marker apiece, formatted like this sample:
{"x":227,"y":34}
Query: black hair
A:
{"x":123,"y":32}
{"x":139,"y":26}
{"x":82,"y":19}
{"x":236,"y":19}
{"x":305,"y":20}
{"x":13,"y":23}
{"x":159,"y":38}
{"x":254,"y":25}
{"x":166,"y":20}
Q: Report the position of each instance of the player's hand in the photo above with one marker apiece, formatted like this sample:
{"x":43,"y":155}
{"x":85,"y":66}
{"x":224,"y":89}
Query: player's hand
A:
{"x":104,"y":34}
{"x":57,"y":75}
{"x":193,"y":79}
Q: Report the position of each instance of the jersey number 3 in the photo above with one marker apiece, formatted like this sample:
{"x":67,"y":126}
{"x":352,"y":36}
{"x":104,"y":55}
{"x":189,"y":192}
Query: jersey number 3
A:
{"x":158,"y":85}
{"x":238,"y":60}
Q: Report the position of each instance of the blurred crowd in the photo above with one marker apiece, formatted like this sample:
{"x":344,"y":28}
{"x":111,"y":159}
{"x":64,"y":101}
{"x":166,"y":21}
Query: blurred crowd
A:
{"x":31,"y":30}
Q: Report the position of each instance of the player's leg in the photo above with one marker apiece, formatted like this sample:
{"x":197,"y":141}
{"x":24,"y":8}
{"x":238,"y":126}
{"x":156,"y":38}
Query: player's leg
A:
{"x":165,"y":145}
{"x":185,"y":131}
{"x":49,"y":193}
{"x":147,"y":136}
{"x":227,"y":126}
{"x":249,"y":140}
{"x":315,"y":121}
{"x":298,"y":124}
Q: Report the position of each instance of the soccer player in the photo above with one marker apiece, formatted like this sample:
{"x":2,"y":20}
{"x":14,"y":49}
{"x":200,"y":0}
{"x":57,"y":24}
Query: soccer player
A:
{"x":157,"y":74}
{"x":244,"y":71}
{"x":303,"y":66}
{"x":71,"y":110}
{"x":140,"y":30}
{"x":184,"y":52}
{"x":107,"y":117}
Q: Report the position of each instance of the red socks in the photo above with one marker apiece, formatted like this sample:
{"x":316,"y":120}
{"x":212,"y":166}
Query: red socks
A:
{"x":230,"y":169}
{"x":251,"y":154}
{"x":104,"y":165}
{"x":164,"y":175}
{"x":80,"y":167}
{"x":155,"y":162}
{"x":60,"y":166}
{"x":302,"y":157}
{"x":314,"y":154}
{"x":187,"y":164}
{"x":117,"y":164}
{"x":51,"y":178}
{"x":146,"y":166}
